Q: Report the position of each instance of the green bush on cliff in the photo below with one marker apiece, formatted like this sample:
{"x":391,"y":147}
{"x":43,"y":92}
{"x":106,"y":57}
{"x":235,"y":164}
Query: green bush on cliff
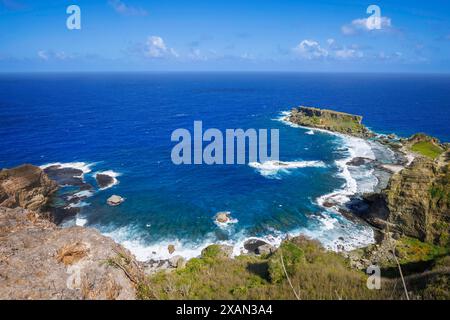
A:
{"x":427,"y":148}
{"x":314,"y":273}
{"x":413,"y":250}
{"x":292,"y":257}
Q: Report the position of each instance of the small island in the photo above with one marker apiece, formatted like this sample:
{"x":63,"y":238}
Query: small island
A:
{"x":330,"y":120}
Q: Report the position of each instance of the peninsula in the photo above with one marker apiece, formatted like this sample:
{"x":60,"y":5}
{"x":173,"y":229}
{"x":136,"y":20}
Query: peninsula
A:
{"x":329,"y":120}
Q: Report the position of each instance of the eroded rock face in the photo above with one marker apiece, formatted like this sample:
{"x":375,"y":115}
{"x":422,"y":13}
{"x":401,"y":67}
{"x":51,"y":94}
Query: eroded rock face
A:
{"x":416,"y":201}
{"x":25,"y":186}
{"x":39,"y":260}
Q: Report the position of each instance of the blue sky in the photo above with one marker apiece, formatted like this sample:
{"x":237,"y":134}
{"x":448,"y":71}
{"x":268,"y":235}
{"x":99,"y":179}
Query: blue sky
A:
{"x":232,"y":35}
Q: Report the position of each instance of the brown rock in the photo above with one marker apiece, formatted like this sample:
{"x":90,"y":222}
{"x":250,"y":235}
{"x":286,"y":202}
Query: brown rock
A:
{"x":223,"y":216}
{"x":39,"y":260}
{"x":25,"y":186}
{"x":258,"y":246}
{"x":177,"y":262}
{"x":171,"y":248}
{"x":218,"y":250}
{"x":103,"y":180}
{"x":115,"y":200}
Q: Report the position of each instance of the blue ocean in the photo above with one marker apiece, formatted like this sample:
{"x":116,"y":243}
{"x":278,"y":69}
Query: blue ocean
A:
{"x":121,"y":123}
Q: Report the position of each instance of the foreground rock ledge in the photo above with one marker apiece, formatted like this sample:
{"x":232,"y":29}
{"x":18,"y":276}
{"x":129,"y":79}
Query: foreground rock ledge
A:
{"x":39,"y":260}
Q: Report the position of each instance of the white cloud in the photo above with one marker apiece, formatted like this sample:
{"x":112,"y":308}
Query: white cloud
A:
{"x":310,"y":49}
{"x":197,"y":55}
{"x":347,"y":53}
{"x":127,"y":10}
{"x":52,"y":55}
{"x":389,"y":56}
{"x":343,"y":52}
{"x":247,"y":56}
{"x":333,"y":44}
{"x":42,"y":54}
{"x":362,"y":25}
{"x":156,"y":48}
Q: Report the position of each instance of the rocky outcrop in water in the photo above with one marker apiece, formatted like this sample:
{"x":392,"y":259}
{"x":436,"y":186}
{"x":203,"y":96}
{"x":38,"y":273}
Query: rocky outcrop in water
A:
{"x":115,"y":200}
{"x":104,"y":180}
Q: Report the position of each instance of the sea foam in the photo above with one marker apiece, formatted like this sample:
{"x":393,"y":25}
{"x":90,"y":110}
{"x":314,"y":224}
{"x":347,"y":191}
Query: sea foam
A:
{"x":83,"y":166}
{"x":271,"y":169}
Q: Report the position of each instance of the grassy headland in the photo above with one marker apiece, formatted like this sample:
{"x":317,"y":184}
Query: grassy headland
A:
{"x":329,"y":120}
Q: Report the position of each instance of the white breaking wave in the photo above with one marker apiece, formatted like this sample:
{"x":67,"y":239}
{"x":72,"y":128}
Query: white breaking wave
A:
{"x":284,"y":116}
{"x":337,"y":233}
{"x":83,"y":166}
{"x":143,"y":251}
{"x":310,"y":132}
{"x":111,"y":174}
{"x":225,"y":225}
{"x":81,"y":222}
{"x":325,"y":228}
{"x":272,"y":168}
{"x":78,"y":204}
{"x":356,"y":180}
{"x":81,"y":194}
{"x":356,"y":147}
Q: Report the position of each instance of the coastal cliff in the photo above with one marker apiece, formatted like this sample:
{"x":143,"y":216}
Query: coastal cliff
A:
{"x":416,"y":202}
{"x":39,"y":260}
{"x":329,"y":120}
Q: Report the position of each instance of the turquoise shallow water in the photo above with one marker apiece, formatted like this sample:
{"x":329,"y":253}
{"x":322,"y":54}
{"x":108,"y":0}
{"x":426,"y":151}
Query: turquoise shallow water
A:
{"x":123,"y":122}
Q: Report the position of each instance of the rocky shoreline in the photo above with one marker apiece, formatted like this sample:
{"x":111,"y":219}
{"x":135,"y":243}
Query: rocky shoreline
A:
{"x":412,"y":200}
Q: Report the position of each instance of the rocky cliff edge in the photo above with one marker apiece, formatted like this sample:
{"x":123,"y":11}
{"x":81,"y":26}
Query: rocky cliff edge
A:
{"x":39,"y":260}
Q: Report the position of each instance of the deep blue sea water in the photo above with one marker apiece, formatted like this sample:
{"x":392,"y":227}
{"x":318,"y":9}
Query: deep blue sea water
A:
{"x":123,"y":122}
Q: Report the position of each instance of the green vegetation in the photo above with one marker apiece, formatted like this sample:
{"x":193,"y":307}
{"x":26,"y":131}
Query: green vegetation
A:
{"x":438,"y":287}
{"x":427,"y":148}
{"x":314,"y":272}
{"x":413,"y":250}
{"x":329,"y":120}
{"x":442,"y":229}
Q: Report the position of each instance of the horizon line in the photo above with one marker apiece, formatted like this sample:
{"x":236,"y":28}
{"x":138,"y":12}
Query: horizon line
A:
{"x":219,"y":71}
